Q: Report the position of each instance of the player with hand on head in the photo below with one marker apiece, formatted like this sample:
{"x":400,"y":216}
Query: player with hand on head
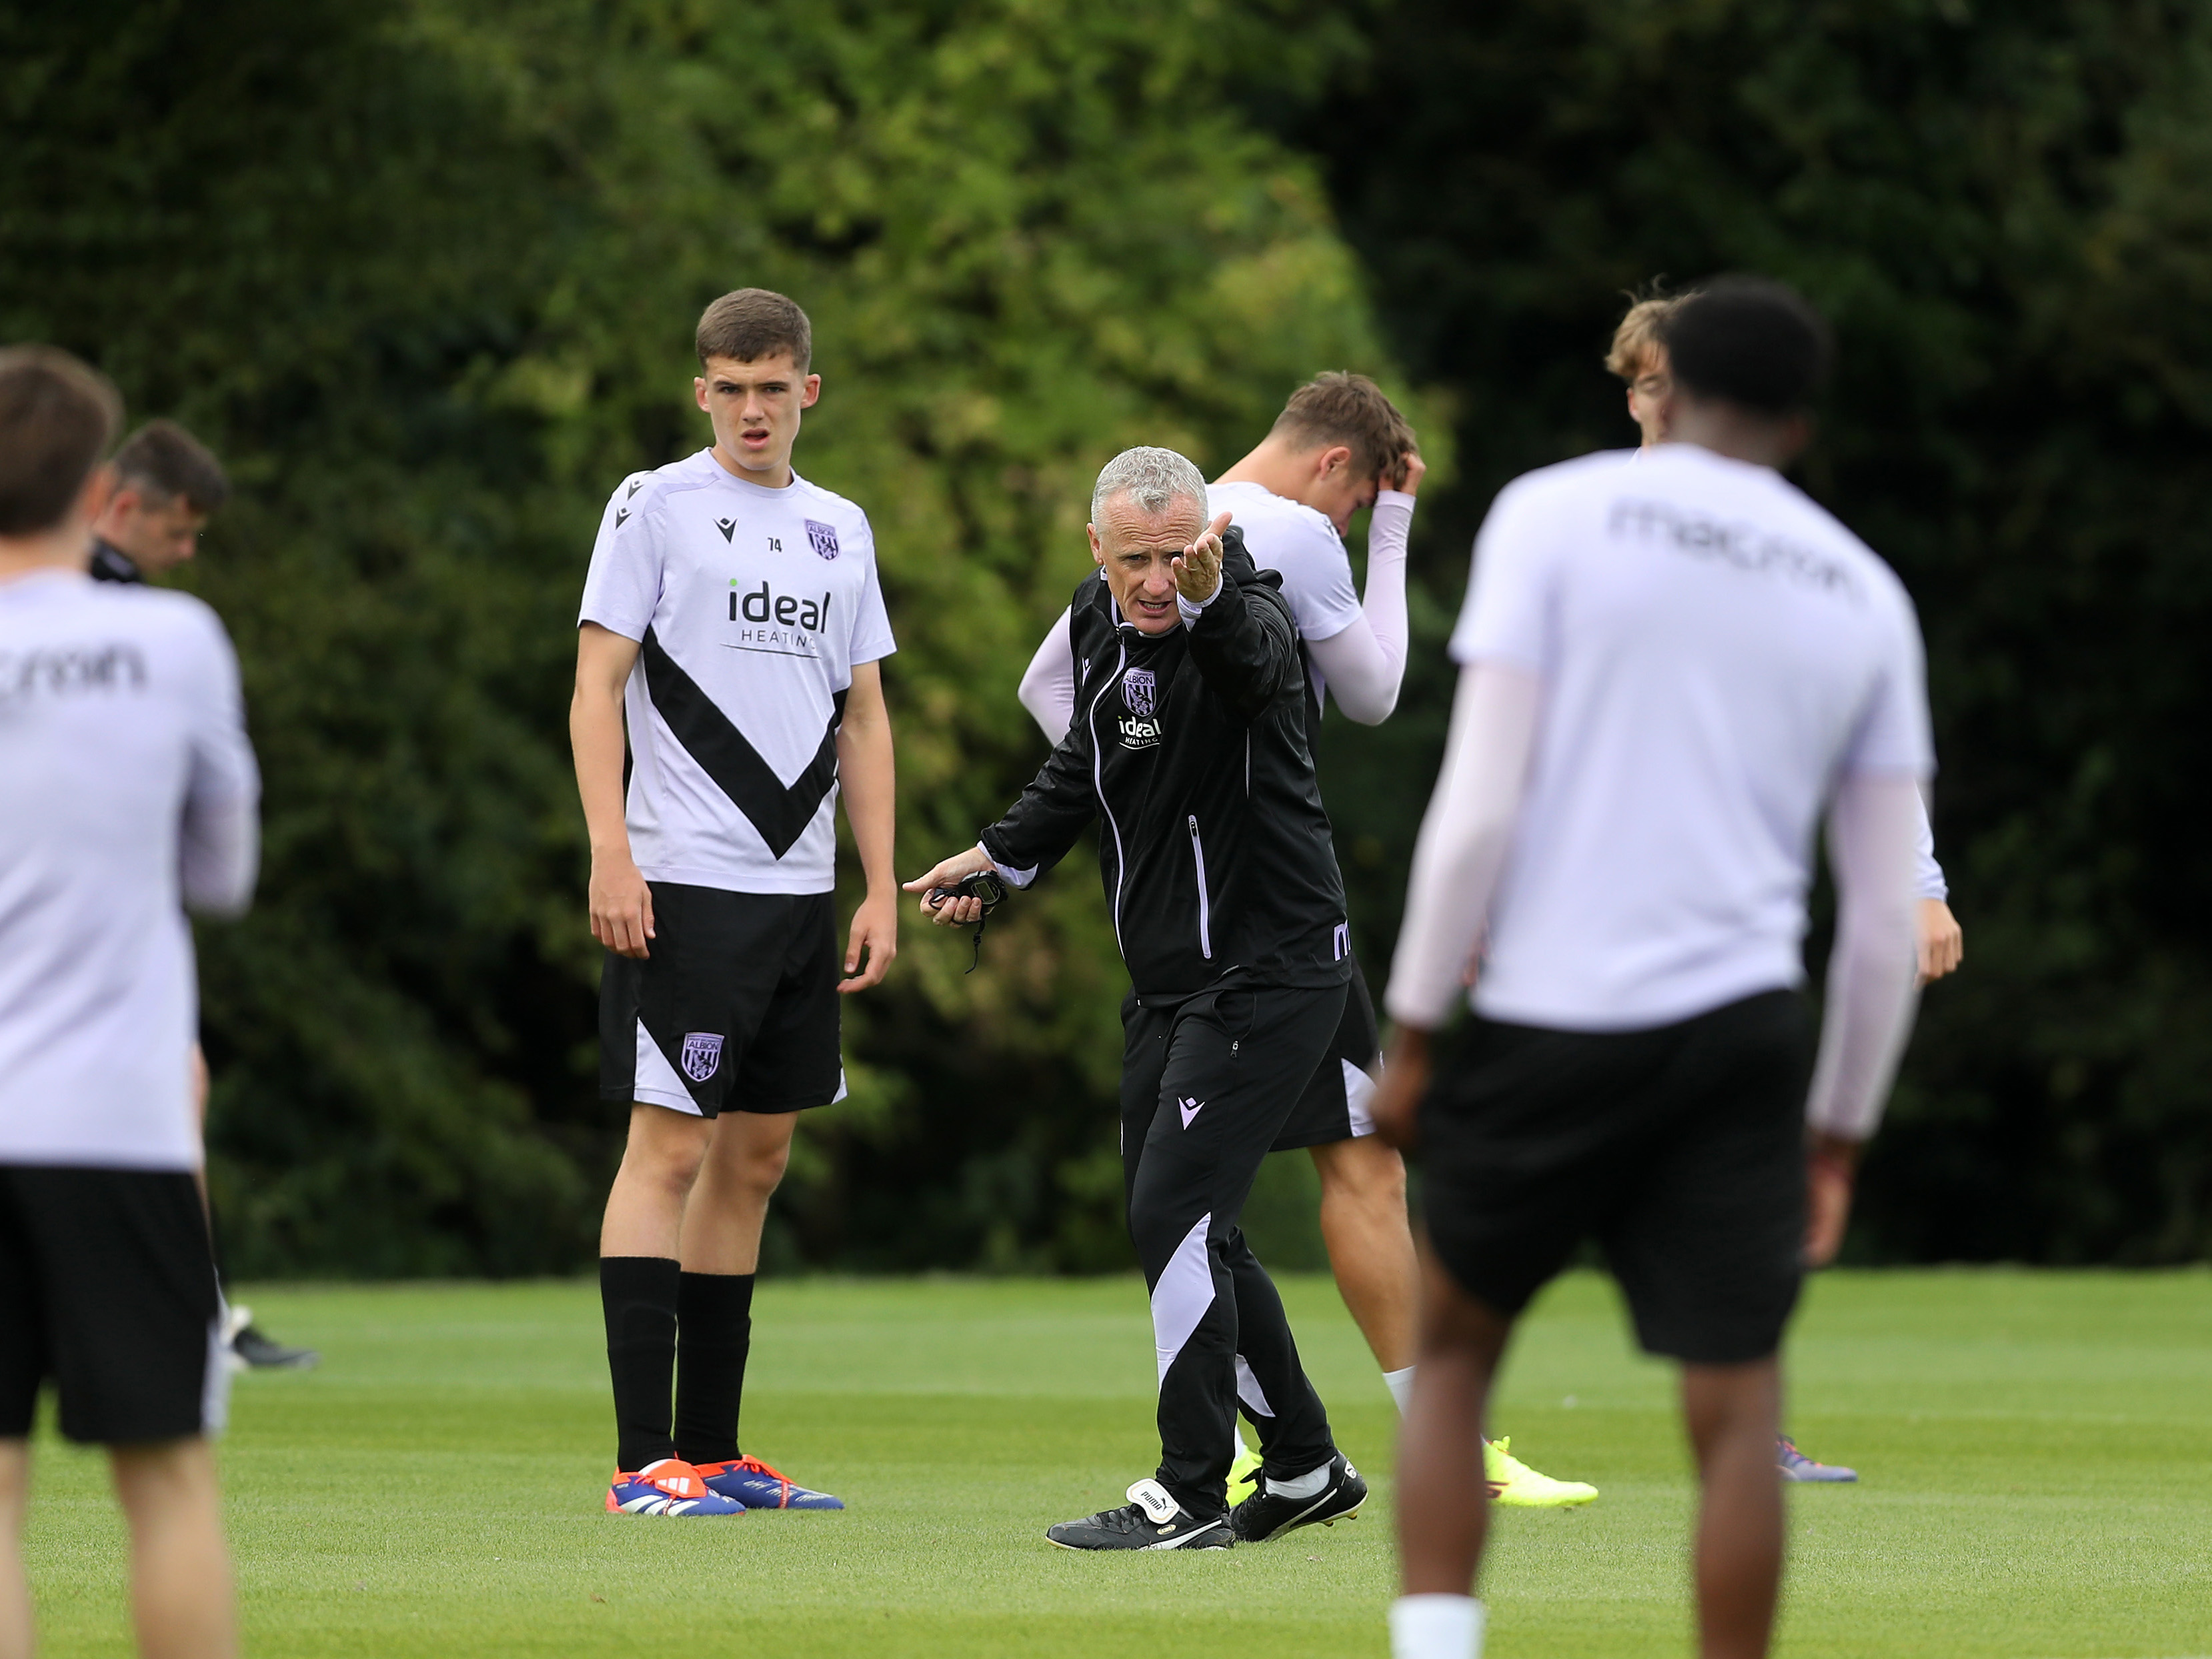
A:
{"x":1338,"y":447}
{"x":128,"y":793}
{"x":1639,"y":356}
{"x":1672,"y":669}
{"x":1191,"y":748}
{"x":733,"y":624}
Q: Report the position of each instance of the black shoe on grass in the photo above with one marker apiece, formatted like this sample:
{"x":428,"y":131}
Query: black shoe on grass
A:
{"x":1150,"y":1521}
{"x":257,"y":1350}
{"x":1263,"y":1516}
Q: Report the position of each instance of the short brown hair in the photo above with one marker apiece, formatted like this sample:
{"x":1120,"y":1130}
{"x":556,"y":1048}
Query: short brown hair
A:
{"x":56,"y":419}
{"x":1337,"y":407}
{"x":754,"y":323}
{"x":162,"y":461}
{"x":1640,"y":332}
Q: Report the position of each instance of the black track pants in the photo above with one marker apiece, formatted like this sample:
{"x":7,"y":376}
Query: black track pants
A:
{"x":1206,"y":1086}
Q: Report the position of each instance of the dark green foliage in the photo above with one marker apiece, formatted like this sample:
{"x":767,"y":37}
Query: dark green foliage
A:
{"x":2005,"y":211}
{"x":424,"y":271}
{"x":426,"y":275}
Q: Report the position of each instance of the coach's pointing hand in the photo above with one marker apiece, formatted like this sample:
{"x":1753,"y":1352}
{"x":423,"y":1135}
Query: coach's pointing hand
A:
{"x":1197,"y":567}
{"x":953,"y":911}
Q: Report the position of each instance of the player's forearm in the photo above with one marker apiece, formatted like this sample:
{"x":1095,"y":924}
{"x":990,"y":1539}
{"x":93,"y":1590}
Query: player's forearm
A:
{"x":595,"y":735}
{"x":1929,"y":879}
{"x":1389,"y":529}
{"x":867,"y":778}
{"x":1872,"y":971}
{"x":1463,"y":842}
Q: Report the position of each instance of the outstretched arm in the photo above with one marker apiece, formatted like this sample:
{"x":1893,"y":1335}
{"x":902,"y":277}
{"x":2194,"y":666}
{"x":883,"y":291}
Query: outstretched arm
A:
{"x":1245,"y":644}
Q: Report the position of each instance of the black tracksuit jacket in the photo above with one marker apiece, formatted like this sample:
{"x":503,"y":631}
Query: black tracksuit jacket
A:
{"x":1192,"y":748}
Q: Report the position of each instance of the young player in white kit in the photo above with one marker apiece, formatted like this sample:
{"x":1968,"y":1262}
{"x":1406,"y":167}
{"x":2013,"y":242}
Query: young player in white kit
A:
{"x":127,"y":792}
{"x":733,"y":624}
{"x":1339,"y":447}
{"x":1672,"y":669}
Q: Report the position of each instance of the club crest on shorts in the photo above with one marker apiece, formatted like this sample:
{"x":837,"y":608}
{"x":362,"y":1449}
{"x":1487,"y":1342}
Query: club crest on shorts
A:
{"x":702,"y":1053}
{"x":1139,"y":691}
{"x":822,"y":537}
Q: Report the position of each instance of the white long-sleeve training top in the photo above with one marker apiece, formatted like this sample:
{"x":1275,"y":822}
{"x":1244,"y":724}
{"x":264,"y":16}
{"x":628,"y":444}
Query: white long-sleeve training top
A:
{"x":1673,"y":670}
{"x":128,"y":791}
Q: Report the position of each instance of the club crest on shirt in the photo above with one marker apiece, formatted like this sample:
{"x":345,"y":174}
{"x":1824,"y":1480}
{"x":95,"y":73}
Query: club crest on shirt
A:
{"x":823,"y":538}
{"x":1139,"y":691}
{"x":702,"y":1053}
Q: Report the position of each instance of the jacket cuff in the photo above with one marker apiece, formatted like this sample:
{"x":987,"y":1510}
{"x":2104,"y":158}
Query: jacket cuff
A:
{"x":1191,"y":612}
{"x":1017,"y":876}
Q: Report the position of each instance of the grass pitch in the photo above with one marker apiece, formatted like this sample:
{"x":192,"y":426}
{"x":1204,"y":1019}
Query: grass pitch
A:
{"x":2036,"y":1453}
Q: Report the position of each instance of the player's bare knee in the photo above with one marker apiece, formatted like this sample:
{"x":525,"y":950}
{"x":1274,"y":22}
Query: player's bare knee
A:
{"x":1363,"y":1173}
{"x":759,"y":1171}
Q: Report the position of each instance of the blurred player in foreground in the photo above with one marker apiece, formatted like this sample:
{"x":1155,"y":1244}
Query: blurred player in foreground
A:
{"x":1191,"y":750}
{"x":1339,"y":447}
{"x":1638,"y":357}
{"x":127,"y":792}
{"x":167,"y":487}
{"x":733,"y":626}
{"x":1672,"y":670}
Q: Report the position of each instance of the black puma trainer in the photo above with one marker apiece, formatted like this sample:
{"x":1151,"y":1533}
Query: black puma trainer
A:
{"x":1263,"y":1516}
{"x":1151,"y":1520}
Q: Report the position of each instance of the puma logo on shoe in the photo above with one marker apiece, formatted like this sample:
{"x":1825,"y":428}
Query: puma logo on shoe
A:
{"x":1189,"y":1109}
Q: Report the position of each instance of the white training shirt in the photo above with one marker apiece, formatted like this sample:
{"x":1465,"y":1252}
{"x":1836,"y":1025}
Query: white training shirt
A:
{"x":127,"y":791}
{"x":1301,"y":542}
{"x":753,"y":605}
{"x":1714,"y":650}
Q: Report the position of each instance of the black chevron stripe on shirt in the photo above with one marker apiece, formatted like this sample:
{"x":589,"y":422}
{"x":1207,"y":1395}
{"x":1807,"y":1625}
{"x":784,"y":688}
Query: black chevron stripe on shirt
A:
{"x":780,"y":812}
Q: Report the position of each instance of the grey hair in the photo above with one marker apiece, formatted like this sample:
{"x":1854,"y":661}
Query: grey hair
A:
{"x":1152,"y":479}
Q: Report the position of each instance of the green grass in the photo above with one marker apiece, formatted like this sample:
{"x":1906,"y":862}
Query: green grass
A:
{"x":2036,"y":1449}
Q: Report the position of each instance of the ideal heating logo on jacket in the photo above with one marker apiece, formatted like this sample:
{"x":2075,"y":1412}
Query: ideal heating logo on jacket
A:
{"x":780,"y":622}
{"x":1140,"y":726}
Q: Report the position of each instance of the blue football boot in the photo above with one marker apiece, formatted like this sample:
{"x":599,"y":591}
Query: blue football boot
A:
{"x":757,"y":1486}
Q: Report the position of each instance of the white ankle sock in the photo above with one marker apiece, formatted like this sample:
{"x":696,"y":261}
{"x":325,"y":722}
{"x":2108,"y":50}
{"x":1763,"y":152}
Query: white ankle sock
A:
{"x":1401,"y":1384}
{"x":1436,"y":1627}
{"x":1308,"y":1485}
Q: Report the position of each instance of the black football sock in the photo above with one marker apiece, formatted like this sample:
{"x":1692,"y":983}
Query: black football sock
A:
{"x":713,"y":1334}
{"x":639,"y":1295}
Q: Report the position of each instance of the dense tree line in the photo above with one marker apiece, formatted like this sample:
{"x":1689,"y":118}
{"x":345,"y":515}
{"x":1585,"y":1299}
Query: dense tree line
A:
{"x":2004,"y":211}
{"x":425,"y":273}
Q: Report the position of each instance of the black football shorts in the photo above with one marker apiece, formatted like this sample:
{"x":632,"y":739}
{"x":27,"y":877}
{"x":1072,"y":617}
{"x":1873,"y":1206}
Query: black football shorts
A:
{"x":735,"y":1009}
{"x":1333,"y":1106}
{"x":1680,"y":1149}
{"x":107,"y":1290}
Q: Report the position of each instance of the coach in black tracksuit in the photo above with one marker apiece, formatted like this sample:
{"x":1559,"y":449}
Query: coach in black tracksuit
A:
{"x":1190,"y":747}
